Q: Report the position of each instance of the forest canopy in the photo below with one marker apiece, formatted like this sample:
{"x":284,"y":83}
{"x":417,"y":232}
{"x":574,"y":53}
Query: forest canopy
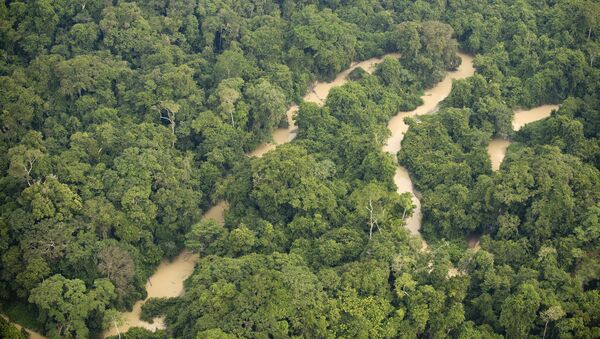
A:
{"x":123,"y":121}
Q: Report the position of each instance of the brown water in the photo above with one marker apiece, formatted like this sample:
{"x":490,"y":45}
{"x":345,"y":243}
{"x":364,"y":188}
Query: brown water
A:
{"x":431,"y":98}
{"x":167,"y":280}
{"x":497,"y":147}
{"x":497,"y":150}
{"x":217,"y":212}
{"x":317,"y":94}
{"x":321,"y":89}
{"x":280,"y":135}
{"x":523,"y":117}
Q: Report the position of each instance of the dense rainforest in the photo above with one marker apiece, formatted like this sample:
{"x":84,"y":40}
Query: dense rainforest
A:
{"x":122,"y":122}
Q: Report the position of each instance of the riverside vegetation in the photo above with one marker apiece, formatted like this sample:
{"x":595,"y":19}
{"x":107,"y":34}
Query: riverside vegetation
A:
{"x":122,"y":121}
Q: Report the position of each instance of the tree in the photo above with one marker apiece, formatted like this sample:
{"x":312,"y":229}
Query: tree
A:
{"x":491,"y":114}
{"x":102,"y":216}
{"x":83,"y":37}
{"x":118,"y":266}
{"x":267,"y":106}
{"x":407,"y":40}
{"x":267,"y":41}
{"x":67,"y":303}
{"x":8,"y":330}
{"x":20,"y":106}
{"x":35,"y":272}
{"x":22,"y":161}
{"x":51,"y":199}
{"x":427,"y":48}
{"x":241,"y":240}
{"x":206,"y":237}
{"x":171,"y":109}
{"x":363,"y":316}
{"x":88,"y":74}
{"x":327,"y":39}
{"x":285,"y":183}
{"x":551,"y":314}
{"x":254,"y":295}
{"x":519,"y":311}
{"x":232,"y":64}
{"x":127,"y":32}
{"x":112,"y":318}
{"x":589,"y":10}
{"x":227,"y":95}
{"x":446,"y":210}
{"x":380,"y":208}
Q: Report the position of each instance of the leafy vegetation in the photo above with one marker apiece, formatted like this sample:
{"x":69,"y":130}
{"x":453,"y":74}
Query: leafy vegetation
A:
{"x":7,"y":330}
{"x":122,"y":121}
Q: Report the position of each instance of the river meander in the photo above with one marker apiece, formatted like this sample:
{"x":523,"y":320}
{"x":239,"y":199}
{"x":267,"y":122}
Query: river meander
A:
{"x":497,"y":147}
{"x":168,"y":279}
{"x":431,"y":99}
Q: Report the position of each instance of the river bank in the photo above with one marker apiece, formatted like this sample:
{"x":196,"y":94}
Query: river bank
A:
{"x":32,"y":334}
{"x":498,"y":146}
{"x":431,"y":99}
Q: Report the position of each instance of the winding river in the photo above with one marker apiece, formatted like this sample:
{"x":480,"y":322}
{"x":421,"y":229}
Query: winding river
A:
{"x":317,"y":94}
{"x":396,"y":125}
{"x":167,"y":281}
{"x":497,"y":147}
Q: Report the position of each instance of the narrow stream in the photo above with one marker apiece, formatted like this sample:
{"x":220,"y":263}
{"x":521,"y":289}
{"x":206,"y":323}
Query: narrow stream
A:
{"x":497,"y":147}
{"x":497,"y":151}
{"x":396,"y":125}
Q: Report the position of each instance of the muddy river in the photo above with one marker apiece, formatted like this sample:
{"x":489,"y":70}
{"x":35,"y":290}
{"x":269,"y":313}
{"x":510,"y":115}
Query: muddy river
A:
{"x":497,"y":147}
{"x":168,"y":279}
{"x":431,"y":98}
{"x":317,"y":94}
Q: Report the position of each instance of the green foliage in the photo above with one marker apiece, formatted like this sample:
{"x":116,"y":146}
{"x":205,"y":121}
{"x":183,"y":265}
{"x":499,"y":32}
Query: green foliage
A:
{"x":22,"y":313}
{"x":326,"y":39}
{"x":122,"y":121}
{"x":8,"y":330}
{"x":427,"y":49}
{"x":445,"y":149}
{"x":519,"y":311}
{"x":142,"y":333}
{"x":206,"y":237}
{"x":67,"y":303}
{"x":254,"y":295}
{"x":154,"y":307}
